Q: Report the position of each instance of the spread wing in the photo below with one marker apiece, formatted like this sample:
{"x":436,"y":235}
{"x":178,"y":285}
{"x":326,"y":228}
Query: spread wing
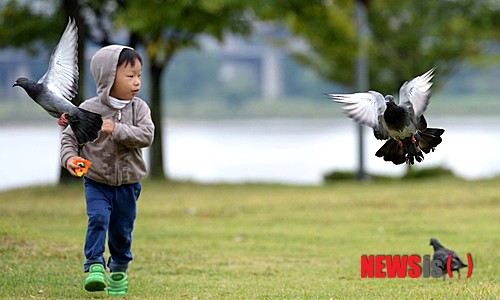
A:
{"x":415,"y":94}
{"x":61,"y":77}
{"x":364,"y":108}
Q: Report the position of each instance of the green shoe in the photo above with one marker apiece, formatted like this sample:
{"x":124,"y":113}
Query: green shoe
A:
{"x":96,"y":280}
{"x":117,"y":283}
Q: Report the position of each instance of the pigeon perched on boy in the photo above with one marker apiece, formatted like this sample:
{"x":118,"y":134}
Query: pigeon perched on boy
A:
{"x":55,"y":90}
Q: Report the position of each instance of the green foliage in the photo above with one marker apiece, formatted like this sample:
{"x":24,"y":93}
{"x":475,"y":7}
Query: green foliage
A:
{"x":412,"y":173}
{"x":336,"y":176}
{"x":166,"y":26}
{"x":326,"y":27}
{"x":407,"y":37}
{"x":256,"y":241}
{"x":410,"y":37}
{"x":23,"y":24}
{"x":427,"y":173}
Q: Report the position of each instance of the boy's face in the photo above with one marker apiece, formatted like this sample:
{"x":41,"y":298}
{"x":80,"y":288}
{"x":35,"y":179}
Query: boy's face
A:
{"x":127,"y":81}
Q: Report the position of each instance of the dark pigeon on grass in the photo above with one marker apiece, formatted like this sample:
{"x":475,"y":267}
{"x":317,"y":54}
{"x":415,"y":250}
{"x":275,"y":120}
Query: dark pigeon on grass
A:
{"x":55,"y":90}
{"x":403,"y":124}
{"x":442,"y":254}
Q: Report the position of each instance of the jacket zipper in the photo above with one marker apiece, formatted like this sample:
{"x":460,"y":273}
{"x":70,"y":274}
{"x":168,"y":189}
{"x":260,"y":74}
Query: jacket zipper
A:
{"x":117,"y":165}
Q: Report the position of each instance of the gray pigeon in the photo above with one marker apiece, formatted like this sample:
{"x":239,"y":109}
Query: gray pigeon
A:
{"x":55,"y":90}
{"x":403,"y":125}
{"x":442,"y":254}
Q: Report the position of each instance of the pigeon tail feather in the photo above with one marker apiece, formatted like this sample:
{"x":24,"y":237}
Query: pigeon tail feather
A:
{"x":429,"y":138}
{"x":391,"y":151}
{"x":85,"y":124}
{"x":413,"y":153}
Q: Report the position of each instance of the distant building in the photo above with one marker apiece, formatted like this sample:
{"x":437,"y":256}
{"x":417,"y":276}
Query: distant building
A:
{"x":257,"y":57}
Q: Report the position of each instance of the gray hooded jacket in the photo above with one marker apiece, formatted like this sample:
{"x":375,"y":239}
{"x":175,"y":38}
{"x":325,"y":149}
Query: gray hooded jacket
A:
{"x":116,"y":159}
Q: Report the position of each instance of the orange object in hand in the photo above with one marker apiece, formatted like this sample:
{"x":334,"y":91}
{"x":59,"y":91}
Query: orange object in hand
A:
{"x":83,"y":166}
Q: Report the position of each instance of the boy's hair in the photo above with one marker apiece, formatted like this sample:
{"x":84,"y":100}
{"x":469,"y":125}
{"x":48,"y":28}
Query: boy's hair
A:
{"x":128,"y":56}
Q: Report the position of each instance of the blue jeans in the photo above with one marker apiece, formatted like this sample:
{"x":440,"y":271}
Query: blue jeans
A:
{"x":111,"y":210}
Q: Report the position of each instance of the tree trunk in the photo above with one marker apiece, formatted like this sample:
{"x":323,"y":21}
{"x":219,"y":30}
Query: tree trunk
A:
{"x":156,"y":157}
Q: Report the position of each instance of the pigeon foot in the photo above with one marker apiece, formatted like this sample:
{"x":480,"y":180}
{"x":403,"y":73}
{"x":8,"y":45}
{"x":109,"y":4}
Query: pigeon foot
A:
{"x":413,"y":140}
{"x":63,"y":121}
{"x":400,"y":143}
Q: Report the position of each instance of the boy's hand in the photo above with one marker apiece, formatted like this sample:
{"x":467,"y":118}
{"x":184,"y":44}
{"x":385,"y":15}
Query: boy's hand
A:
{"x":108,"y":126}
{"x":71,"y":166}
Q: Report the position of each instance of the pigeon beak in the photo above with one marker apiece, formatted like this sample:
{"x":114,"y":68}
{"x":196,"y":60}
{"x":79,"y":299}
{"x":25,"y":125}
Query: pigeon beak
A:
{"x":15,"y":84}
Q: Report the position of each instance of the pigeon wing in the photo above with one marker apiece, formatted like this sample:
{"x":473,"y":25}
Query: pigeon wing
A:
{"x":456,"y":262}
{"x":442,"y":255}
{"x":61,"y":77}
{"x":364,"y":108}
{"x":416,"y":93}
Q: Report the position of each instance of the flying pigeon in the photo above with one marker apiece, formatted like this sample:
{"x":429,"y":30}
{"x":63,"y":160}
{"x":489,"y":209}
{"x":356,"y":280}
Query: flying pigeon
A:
{"x":402,"y":124}
{"x":55,"y":90}
{"x":442,"y":254}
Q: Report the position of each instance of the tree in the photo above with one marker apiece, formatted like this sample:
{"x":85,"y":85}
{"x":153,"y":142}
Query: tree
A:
{"x":327,"y":29}
{"x":163,"y":27}
{"x":407,"y":37}
{"x":22,"y":25}
{"x":166,"y":27}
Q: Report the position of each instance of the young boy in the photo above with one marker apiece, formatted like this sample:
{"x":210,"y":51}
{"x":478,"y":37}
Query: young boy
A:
{"x":112,"y":183}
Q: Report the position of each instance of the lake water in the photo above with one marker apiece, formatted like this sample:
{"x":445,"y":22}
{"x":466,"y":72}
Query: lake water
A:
{"x":283,"y":151}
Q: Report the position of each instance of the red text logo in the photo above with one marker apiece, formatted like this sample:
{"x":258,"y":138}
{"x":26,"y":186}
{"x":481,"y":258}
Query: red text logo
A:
{"x":402,"y":266}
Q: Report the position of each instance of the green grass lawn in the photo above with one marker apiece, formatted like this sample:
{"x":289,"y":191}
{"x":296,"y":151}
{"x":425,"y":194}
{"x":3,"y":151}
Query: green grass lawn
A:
{"x":258,"y":241}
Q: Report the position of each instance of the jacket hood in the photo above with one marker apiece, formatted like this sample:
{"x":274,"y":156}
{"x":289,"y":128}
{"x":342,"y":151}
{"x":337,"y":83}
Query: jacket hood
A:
{"x":103,"y":67}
